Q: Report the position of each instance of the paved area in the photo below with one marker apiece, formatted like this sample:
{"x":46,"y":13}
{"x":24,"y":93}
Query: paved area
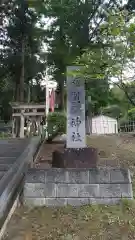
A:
{"x":10,"y":150}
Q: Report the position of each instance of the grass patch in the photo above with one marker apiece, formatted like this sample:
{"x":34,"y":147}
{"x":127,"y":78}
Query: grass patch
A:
{"x":87,"y":222}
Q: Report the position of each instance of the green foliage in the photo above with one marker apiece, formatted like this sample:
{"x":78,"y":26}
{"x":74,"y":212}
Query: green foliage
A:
{"x":107,"y":61}
{"x":21,"y":30}
{"x":131,"y":113}
{"x":93,"y":88}
{"x":113,"y":111}
{"x":56,"y":123}
{"x":5,"y":135}
{"x":69,"y":34}
{"x":118,"y":103}
{"x":103,"y":48}
{"x":130,"y":5}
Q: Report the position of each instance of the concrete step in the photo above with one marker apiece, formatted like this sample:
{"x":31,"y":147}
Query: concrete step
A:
{"x":5,"y":167}
{"x":12,"y":148}
{"x":2,"y":174}
{"x":10,"y":153}
{"x":9,"y":160}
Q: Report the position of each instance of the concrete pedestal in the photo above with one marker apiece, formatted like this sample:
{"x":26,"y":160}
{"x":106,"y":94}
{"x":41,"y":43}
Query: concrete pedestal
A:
{"x":75,"y":158}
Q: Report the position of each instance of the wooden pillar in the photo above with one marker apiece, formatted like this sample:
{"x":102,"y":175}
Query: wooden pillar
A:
{"x":22,"y":124}
{"x":38,"y":126}
{"x":13,"y":127}
{"x":34,"y":121}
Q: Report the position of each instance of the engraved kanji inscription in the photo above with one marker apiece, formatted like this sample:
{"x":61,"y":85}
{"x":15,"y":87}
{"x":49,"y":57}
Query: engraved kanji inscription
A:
{"x":76,"y":137}
{"x":75,"y":109}
{"x":75,"y":97}
{"x":75,"y":122}
{"x":76,"y":82}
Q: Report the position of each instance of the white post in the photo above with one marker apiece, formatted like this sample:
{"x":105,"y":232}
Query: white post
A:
{"x":90,"y":115}
{"x":47,"y":103}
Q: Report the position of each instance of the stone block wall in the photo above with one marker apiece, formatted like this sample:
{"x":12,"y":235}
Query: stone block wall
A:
{"x":59,"y":187}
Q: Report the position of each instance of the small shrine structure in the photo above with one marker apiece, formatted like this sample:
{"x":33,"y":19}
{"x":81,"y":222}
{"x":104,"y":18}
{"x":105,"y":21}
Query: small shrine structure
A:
{"x":29,"y":118}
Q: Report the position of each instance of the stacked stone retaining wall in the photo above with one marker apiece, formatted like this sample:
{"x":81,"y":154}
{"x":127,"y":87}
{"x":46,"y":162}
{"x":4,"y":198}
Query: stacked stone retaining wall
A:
{"x":59,"y":187}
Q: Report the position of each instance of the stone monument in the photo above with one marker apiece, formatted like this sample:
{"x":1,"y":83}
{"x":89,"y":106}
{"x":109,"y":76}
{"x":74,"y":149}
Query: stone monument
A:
{"x":76,"y":137}
{"x":76,"y":154}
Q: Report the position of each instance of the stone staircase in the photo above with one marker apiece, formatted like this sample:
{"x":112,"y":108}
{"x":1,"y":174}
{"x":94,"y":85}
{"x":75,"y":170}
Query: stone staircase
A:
{"x":15,"y":157}
{"x":10,"y":150}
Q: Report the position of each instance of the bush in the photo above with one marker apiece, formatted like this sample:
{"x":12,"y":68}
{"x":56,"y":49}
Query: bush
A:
{"x":56,"y":123}
{"x":5,"y":135}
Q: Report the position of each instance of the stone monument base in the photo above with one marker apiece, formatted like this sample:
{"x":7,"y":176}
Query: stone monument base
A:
{"x":75,"y":158}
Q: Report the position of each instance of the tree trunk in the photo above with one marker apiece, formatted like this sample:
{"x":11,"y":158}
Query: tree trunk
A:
{"x":86,"y":24}
{"x":62,"y":68}
{"x":61,"y":96}
{"x":22,"y":72}
{"x":17,"y":92}
{"x":84,"y":41}
{"x":17,"y":119}
{"x":28,"y":94}
{"x":61,"y":81}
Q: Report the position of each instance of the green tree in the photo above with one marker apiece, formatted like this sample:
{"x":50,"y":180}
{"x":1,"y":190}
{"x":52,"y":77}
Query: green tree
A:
{"x":75,"y":26}
{"x":22,"y":56}
{"x":114,"y":54}
{"x":130,"y":6}
{"x":71,"y":32}
{"x":113,"y":111}
{"x":98,"y":89}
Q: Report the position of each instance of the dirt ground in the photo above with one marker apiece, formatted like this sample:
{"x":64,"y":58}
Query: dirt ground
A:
{"x":87,"y":222}
{"x":113,"y":150}
{"x":119,"y":149}
{"x":44,"y":158}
